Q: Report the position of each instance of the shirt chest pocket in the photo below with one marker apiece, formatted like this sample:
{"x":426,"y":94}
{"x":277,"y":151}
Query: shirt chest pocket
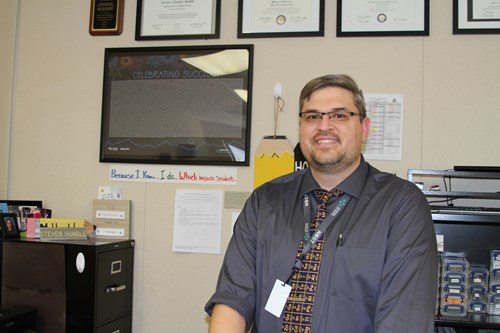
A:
{"x":356,"y":273}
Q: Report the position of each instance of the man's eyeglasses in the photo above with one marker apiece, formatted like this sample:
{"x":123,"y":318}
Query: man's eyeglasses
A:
{"x":334,"y":116}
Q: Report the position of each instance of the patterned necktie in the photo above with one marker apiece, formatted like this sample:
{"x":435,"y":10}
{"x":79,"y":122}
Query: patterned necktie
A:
{"x":300,"y":303}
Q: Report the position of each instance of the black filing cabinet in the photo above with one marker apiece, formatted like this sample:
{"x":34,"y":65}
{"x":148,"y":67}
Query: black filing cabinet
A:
{"x":76,"y":286}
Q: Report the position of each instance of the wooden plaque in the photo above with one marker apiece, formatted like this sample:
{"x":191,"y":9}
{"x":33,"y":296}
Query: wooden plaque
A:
{"x":106,"y":17}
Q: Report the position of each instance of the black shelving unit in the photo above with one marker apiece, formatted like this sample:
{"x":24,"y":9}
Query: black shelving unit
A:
{"x":476,"y":232}
{"x":472,"y":322}
{"x":412,"y":173}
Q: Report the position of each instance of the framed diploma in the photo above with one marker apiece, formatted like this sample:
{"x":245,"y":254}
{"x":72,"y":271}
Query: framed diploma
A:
{"x":173,"y":19}
{"x":177,"y":105}
{"x":382,"y":18}
{"x":106,"y":17}
{"x":476,"y":17}
{"x":271,"y":18}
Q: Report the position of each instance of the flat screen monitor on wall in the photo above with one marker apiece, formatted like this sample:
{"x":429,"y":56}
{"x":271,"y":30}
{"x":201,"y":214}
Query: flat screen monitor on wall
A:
{"x":177,"y":105}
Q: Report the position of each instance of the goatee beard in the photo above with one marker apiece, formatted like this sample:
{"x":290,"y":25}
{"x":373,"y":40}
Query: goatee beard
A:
{"x":333,"y":164}
{"x":328,"y":166}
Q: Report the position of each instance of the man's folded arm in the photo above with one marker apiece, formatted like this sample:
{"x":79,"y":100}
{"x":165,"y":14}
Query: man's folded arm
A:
{"x":225,"y":319}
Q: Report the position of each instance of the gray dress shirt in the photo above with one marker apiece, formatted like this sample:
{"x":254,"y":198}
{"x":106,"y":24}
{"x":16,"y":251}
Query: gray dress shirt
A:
{"x":383,"y":277}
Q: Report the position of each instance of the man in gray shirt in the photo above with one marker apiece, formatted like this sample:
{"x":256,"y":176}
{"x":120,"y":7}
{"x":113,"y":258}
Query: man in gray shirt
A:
{"x":377,"y":269}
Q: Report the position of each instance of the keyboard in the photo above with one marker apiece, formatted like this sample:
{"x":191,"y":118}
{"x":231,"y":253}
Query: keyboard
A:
{"x":470,"y":210}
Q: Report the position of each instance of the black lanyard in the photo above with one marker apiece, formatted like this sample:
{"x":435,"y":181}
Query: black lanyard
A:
{"x":310,"y":241}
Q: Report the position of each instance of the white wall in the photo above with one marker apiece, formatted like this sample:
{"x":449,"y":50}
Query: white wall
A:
{"x":450,"y":85}
{"x":8,"y":13}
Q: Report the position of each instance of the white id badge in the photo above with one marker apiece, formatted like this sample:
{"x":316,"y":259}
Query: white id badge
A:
{"x":278,"y":297}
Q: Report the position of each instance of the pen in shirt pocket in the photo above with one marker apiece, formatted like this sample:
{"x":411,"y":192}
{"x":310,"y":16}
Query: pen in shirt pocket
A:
{"x":340,"y":240}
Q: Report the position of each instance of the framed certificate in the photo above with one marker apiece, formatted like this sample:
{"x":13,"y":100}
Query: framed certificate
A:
{"x":382,"y":18}
{"x":193,"y":19}
{"x":476,"y":17}
{"x":291,"y":18}
{"x":177,"y":105}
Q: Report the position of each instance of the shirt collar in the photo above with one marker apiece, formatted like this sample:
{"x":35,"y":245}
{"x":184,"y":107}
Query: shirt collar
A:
{"x":352,"y":185}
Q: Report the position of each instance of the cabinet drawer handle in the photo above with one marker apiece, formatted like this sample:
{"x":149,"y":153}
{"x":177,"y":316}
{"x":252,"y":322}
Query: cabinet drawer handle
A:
{"x":115,"y":288}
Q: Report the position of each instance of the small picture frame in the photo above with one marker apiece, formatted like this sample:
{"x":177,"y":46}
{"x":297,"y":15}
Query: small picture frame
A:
{"x":472,"y":17}
{"x":23,"y":209}
{"x":8,"y":224}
